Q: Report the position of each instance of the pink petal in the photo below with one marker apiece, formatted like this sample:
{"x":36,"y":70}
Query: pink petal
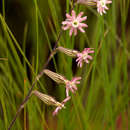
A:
{"x":81,"y":29}
{"x":86,"y":61}
{"x":80,"y":64}
{"x":65,"y":27}
{"x":74,"y":87}
{"x":68,"y":16}
{"x":106,"y":8}
{"x":82,"y":19}
{"x":78,"y":59}
{"x":76,"y":78}
{"x":75,"y":31}
{"x":108,"y":2}
{"x":66,"y":99}
{"x":77,"y":82}
{"x":104,"y":11}
{"x":73,"y":14}
{"x":56,"y":111}
{"x":90,"y":51}
{"x":71,"y":89}
{"x":65,"y":22}
{"x":67,"y":92}
{"x":83,"y":25}
{"x":71,"y":31}
{"x":80,"y":15}
{"x":89,"y":57}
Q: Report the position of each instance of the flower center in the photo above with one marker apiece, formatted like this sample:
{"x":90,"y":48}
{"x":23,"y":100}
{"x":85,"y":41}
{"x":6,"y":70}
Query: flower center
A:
{"x":75,"y":23}
{"x":85,"y":55}
{"x":62,"y":106}
{"x":102,"y":2}
{"x":71,"y":84}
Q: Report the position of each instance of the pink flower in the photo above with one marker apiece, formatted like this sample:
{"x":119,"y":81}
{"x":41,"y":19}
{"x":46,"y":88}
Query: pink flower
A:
{"x":61,"y":106}
{"x":101,"y":6}
{"x":83,"y":56}
{"x":71,"y":85}
{"x":73,"y":23}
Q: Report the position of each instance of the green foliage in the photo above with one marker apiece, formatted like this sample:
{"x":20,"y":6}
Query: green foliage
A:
{"x":104,"y":93}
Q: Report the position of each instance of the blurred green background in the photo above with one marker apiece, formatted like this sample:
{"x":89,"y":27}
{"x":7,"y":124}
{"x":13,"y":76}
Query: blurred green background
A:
{"x":28,"y":32}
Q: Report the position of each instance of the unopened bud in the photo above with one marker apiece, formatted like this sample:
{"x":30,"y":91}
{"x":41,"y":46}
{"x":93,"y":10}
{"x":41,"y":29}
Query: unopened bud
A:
{"x":87,"y":2}
{"x":47,"y":99}
{"x":67,"y":51}
{"x":54,"y":76}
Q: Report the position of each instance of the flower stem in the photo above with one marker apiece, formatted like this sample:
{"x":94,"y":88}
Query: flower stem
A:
{"x":35,"y":81}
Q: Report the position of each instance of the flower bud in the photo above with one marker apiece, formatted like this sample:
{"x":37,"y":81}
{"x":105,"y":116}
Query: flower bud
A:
{"x":87,"y":2}
{"x":69,"y":85}
{"x":67,"y":51}
{"x":47,"y":99}
{"x":54,"y":76}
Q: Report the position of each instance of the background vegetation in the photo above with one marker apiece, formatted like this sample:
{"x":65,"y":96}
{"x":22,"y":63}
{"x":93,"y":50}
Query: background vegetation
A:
{"x":28,"y":31}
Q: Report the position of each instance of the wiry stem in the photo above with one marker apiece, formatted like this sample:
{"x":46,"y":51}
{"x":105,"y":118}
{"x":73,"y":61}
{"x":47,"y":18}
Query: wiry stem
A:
{"x":36,"y":79}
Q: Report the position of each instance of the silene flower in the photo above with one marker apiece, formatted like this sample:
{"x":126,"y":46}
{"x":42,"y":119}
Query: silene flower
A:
{"x":102,"y":6}
{"x":51,"y":101}
{"x":74,"y":22}
{"x":69,"y":85}
{"x":84,"y":56}
{"x":60,"y":106}
{"x":81,"y":56}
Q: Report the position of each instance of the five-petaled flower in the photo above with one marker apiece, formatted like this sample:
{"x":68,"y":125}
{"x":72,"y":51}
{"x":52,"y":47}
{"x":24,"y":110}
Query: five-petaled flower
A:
{"x":61,"y":105}
{"x":71,"y":85}
{"x":101,"y":6}
{"x":73,"y":23}
{"x":83,"y":56}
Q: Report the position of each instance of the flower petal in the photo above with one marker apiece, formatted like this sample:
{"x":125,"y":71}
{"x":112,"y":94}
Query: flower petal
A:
{"x":71,"y":31}
{"x":81,"y":29}
{"x":73,"y":14}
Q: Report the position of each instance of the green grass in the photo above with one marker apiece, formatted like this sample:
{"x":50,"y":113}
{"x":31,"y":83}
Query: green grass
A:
{"x":104,"y":93}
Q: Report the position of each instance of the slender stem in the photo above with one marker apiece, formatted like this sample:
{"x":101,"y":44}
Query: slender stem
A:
{"x":35,"y":81}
